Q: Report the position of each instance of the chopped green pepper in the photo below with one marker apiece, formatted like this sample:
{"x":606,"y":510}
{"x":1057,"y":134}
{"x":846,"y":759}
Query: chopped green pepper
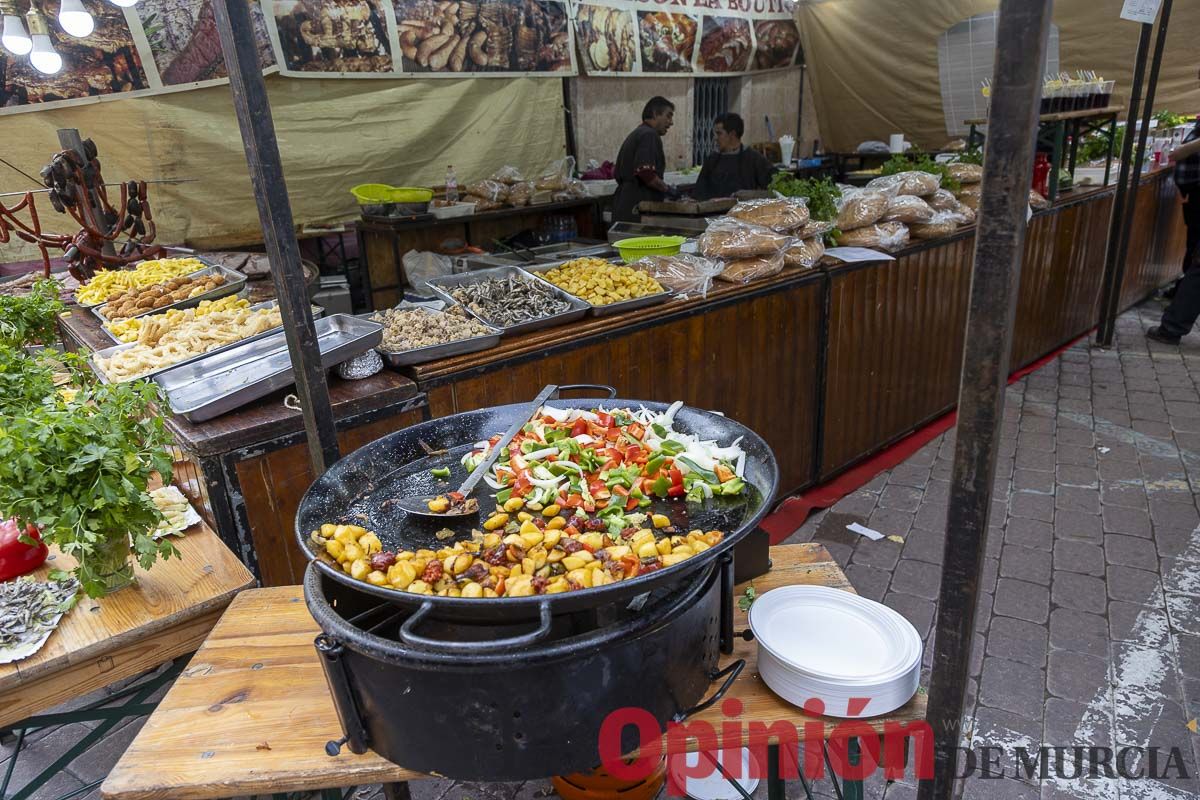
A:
{"x":661,"y":485}
{"x":672,"y":447}
{"x":659,"y":429}
{"x":730,"y":487}
{"x":708,"y":475}
{"x":655,"y":464}
{"x":503,"y":495}
{"x":440,"y":472}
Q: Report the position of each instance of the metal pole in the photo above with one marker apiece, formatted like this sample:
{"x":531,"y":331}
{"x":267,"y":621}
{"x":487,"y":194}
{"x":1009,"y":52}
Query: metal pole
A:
{"x":1111,"y":292}
{"x":1114,"y":308}
{"x":1021,"y":35}
{"x":279,"y":233}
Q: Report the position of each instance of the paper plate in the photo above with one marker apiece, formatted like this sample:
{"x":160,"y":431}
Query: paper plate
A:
{"x":715,"y":787}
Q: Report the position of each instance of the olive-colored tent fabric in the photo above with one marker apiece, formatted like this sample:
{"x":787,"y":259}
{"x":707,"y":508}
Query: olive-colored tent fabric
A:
{"x":874,"y":63}
{"x":333,"y":134}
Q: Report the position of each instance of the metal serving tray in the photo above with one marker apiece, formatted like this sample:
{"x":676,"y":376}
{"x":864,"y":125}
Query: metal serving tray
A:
{"x":611,"y":308}
{"x":443,"y":286}
{"x":201,"y":391}
{"x":108,"y":351}
{"x":234,"y":283}
{"x":187,"y":254}
{"x":420,"y":355}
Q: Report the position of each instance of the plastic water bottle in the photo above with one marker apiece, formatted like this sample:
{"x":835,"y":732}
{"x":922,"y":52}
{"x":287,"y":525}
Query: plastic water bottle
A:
{"x":451,"y":185}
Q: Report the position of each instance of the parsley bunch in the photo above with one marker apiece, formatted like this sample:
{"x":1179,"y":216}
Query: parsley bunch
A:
{"x":29,"y":319}
{"x":919,"y":161}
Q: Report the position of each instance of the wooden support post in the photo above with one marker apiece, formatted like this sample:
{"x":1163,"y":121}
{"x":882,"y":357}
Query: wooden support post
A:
{"x":1021,"y":35}
{"x":279,"y":232}
{"x":1110,"y":288}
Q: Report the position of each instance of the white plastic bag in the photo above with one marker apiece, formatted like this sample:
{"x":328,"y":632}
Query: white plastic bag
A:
{"x":421,"y":266}
{"x":685,"y":274}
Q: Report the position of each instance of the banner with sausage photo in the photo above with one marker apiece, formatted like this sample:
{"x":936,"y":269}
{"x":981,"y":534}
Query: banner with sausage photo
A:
{"x":657,"y":37}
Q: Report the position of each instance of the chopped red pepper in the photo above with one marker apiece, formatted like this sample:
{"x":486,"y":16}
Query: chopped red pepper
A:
{"x":676,"y":491}
{"x":612,"y":434}
{"x":580,"y":427}
{"x":631,"y":504}
{"x":676,"y":476}
{"x":573,"y":501}
{"x":604,"y":420}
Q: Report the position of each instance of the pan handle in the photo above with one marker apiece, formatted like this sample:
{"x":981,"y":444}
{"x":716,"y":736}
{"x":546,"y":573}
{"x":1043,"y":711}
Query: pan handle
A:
{"x":601,"y":386}
{"x":730,"y":674}
{"x":523,"y":640}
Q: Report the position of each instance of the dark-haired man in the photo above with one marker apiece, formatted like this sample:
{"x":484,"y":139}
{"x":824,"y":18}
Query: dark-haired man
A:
{"x":734,"y":166}
{"x":641,"y":161}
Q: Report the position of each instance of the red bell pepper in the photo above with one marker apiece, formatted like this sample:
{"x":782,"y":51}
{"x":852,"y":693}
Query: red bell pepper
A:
{"x":604,"y":420}
{"x":16,"y":557}
{"x":637,"y":431}
{"x":676,"y":476}
{"x":580,"y":427}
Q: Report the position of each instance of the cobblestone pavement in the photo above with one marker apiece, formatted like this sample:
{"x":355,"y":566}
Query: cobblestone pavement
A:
{"x":1088,"y":628}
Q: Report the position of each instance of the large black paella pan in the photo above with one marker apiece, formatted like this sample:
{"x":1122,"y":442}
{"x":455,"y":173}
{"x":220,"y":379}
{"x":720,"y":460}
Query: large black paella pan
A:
{"x":357,"y":490}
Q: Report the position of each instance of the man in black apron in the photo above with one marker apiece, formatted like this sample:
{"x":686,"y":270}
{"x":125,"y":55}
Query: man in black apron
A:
{"x":733,"y":167}
{"x":641,"y":161}
{"x":1181,"y":315}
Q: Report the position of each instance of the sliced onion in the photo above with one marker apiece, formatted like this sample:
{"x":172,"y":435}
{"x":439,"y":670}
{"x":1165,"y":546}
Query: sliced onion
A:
{"x":583,"y":438}
{"x":492,"y":482}
{"x":673,"y":409}
{"x":548,"y":483}
{"x":538,"y":455}
{"x":740,"y":469}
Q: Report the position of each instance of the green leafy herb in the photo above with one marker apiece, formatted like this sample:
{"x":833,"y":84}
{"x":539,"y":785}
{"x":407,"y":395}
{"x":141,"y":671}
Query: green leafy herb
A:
{"x":920,"y":161}
{"x":747,"y":598}
{"x":822,"y":194}
{"x":972,"y":155}
{"x":29,"y":319}
{"x":1169,"y":119}
{"x":80,"y":469}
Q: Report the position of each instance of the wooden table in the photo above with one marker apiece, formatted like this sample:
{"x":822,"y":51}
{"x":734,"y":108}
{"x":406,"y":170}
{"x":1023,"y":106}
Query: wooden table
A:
{"x":251,"y":713}
{"x":165,"y":615}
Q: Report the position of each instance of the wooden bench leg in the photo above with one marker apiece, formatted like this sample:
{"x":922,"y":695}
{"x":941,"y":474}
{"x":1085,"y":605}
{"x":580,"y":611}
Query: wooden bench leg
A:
{"x":397,"y":790}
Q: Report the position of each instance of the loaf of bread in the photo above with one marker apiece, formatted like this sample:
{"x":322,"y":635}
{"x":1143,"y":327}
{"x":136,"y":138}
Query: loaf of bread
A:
{"x":881,"y":236}
{"x":744,"y":270}
{"x":731,"y":238}
{"x":814,"y":228}
{"x":942,"y":200}
{"x":908,"y":209}
{"x":859,"y":207}
{"x":779,"y":214}
{"x":943,"y":224}
{"x":912,"y":182}
{"x":965,"y":173}
{"x":805,"y":253}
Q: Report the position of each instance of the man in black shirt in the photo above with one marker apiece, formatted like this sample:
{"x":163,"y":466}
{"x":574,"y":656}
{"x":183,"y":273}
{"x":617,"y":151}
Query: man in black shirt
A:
{"x":641,"y":161}
{"x":734,"y":166}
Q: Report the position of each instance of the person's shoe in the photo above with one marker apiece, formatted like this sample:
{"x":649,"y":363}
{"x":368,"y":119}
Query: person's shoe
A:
{"x":1159,"y":335}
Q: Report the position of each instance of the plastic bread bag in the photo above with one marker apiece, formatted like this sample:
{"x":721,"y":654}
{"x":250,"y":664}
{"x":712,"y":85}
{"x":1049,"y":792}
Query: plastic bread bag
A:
{"x":967,"y":213}
{"x":556,"y":174}
{"x":859,"y":207}
{"x":744,"y":270}
{"x":727,"y":237}
{"x":912,"y":182}
{"x":685,"y":274}
{"x":814,"y":229}
{"x":507,"y":175}
{"x":780,"y":214}
{"x":969,"y":197}
{"x":882,"y":236}
{"x":494,"y":191}
{"x":520,"y":194}
{"x":965,"y":173}
{"x":420,"y":266}
{"x":943,"y":224}
{"x":907,"y":209}
{"x":805,"y":254}
{"x":1036,"y":200}
{"x":942,"y":200}
{"x":574,"y":189}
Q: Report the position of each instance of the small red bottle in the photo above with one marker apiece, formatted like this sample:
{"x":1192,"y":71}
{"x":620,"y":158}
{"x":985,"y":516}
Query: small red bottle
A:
{"x":1041,"y":174}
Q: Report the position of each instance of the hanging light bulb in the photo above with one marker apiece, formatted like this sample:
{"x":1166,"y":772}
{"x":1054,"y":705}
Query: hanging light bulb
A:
{"x":42,"y":56}
{"x":75,"y":19}
{"x":13,"y":35}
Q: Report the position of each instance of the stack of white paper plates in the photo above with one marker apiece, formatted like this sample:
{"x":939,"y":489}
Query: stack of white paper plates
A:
{"x":860,"y":658}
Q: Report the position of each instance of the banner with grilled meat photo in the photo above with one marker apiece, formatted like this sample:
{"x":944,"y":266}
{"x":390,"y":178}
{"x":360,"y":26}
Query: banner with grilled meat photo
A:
{"x":641,"y":38}
{"x":105,"y":62}
{"x":333,"y":38}
{"x":484,"y":37}
{"x":182,"y":36}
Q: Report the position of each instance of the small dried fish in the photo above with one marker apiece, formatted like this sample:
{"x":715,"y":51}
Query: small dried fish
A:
{"x":510,"y":301}
{"x":29,"y":610}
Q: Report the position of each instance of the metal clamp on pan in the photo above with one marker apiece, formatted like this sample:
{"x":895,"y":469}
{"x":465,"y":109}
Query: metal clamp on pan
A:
{"x":730,"y":673}
{"x":609,"y":390}
{"x":545,"y":618}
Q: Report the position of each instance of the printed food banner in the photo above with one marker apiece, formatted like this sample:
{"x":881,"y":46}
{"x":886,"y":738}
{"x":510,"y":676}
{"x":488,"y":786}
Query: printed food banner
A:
{"x":171,"y":45}
{"x":657,"y":37}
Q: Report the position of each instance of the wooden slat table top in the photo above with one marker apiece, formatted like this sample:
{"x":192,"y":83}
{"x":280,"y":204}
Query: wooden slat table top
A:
{"x":166,"y":613}
{"x":264,"y":419}
{"x":251,"y":714}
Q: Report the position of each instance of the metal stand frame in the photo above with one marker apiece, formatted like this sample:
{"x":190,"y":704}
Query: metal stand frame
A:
{"x":132,"y":704}
{"x":1130,"y":180}
{"x":1021,"y":34}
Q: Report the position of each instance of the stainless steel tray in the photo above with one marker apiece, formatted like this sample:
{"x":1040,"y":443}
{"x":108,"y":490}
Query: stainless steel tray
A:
{"x":189,"y":254}
{"x":201,"y":391}
{"x":611,"y":308}
{"x":420,"y":355}
{"x":317,"y":311}
{"x":234,"y":283}
{"x":443,"y":286}
{"x":108,"y":351}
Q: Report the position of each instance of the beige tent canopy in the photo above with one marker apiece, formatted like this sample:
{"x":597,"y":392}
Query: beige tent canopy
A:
{"x":874,"y":63}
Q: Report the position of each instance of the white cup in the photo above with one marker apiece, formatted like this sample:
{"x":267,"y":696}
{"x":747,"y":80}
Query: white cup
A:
{"x":896,"y":143}
{"x":786,"y":147}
